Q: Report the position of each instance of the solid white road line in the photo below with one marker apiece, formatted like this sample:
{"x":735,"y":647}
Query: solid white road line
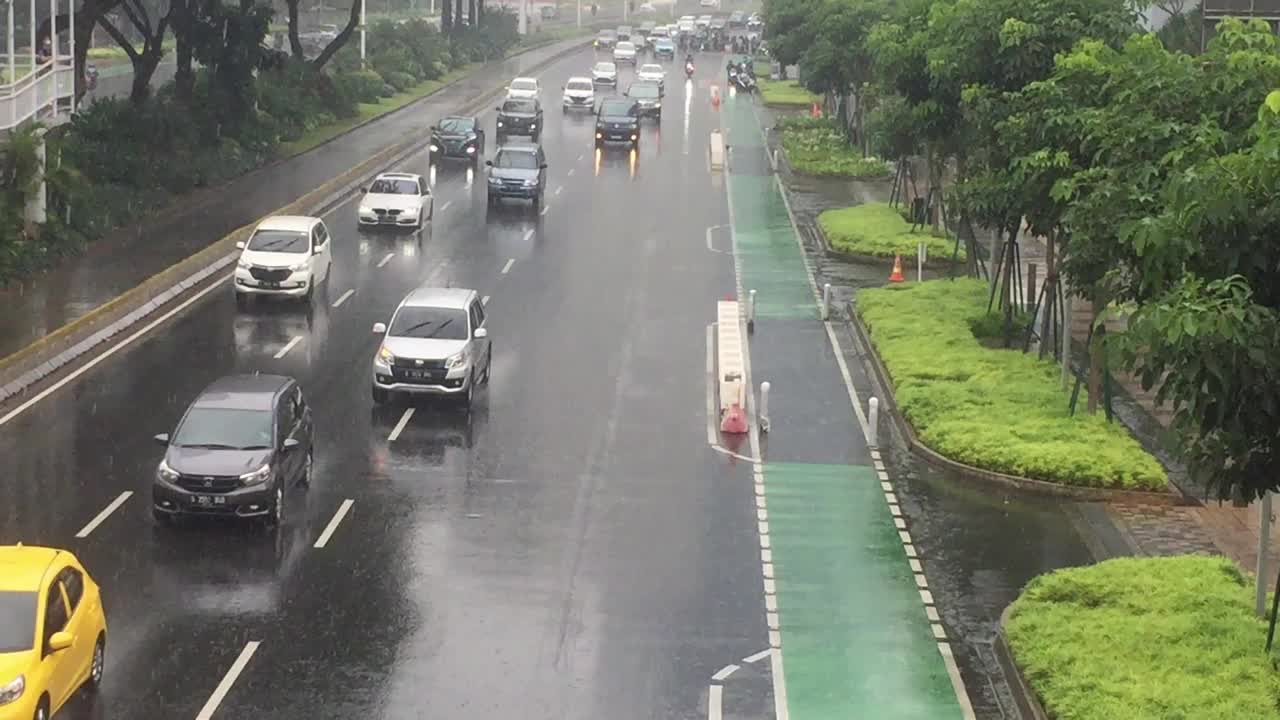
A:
{"x":446,"y":205}
{"x":558,"y":189}
{"x":94,"y":523}
{"x":343,"y":298}
{"x":399,"y":428}
{"x":343,"y":509}
{"x":715,"y":702}
{"x":217,"y":285}
{"x":510,"y":261}
{"x":484,"y":300}
{"x":528,"y":234}
{"x":228,"y":680}
{"x":289,"y":346}
{"x":386,"y":259}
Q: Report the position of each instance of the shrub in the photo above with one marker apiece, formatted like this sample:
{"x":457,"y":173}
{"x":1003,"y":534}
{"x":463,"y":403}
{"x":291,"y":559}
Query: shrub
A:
{"x":400,"y":81}
{"x":1000,"y":410}
{"x":365,"y":86}
{"x":784,"y":93}
{"x":816,"y":146}
{"x":1145,"y":639}
{"x":878,"y":230}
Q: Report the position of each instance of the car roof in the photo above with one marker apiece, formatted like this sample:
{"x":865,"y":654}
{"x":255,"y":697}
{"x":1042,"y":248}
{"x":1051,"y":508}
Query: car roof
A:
{"x":294,"y":223}
{"x":605,"y":62}
{"x":524,"y":79}
{"x":23,"y":567}
{"x":437,"y":297}
{"x":579,"y":79}
{"x":519,"y":146}
{"x":399,"y":176}
{"x":243,"y":392}
{"x":471,"y":118}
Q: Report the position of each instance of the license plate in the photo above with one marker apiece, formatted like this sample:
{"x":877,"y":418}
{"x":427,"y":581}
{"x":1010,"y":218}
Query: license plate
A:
{"x":418,"y":374}
{"x":269,"y":284}
{"x":207,"y":500}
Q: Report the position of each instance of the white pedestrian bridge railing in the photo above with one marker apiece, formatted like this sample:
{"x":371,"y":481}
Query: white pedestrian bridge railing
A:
{"x":35,"y":91}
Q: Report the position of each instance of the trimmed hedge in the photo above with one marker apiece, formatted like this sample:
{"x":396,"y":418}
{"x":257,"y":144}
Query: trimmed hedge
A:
{"x":1145,"y":639}
{"x":879,"y":230}
{"x":999,"y":410}
{"x":784,"y":93}
{"x":817,"y":146}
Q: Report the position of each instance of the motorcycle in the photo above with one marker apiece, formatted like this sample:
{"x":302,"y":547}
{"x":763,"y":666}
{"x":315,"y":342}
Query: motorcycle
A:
{"x":90,"y":76}
{"x":688,"y":70}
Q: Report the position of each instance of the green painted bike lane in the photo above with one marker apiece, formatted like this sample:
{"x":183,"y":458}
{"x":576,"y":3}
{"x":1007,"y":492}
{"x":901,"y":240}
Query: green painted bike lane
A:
{"x":856,"y":641}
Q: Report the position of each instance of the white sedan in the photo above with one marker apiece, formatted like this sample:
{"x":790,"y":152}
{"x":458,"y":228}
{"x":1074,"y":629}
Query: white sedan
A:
{"x":604,"y":73}
{"x":651,"y":72}
{"x":624,"y":51}
{"x":523,"y":88}
{"x":397,"y":200}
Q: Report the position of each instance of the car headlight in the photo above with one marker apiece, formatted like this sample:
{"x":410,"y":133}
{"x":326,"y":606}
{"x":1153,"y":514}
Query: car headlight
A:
{"x":13,"y":690}
{"x":385,"y":355}
{"x":499,"y":123}
{"x":435,"y":147}
{"x":298,"y":267}
{"x":530,"y":183}
{"x":533,"y":125}
{"x":244,"y":264}
{"x":257,"y":477}
{"x":471,"y":149}
{"x":455,"y":360}
{"x":658,"y":105}
{"x":166,"y":473}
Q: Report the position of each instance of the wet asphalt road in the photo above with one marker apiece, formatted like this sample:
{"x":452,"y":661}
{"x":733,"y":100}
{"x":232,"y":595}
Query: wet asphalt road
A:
{"x":574,"y":550}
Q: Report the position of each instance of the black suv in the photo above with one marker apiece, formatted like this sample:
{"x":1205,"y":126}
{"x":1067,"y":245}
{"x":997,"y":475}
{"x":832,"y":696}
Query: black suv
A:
{"x":519,"y":116}
{"x":237,"y":450}
{"x":458,"y":137}
{"x":606,"y":39}
{"x":518,"y":171}
{"x":648,"y":97}
{"x":618,"y":121}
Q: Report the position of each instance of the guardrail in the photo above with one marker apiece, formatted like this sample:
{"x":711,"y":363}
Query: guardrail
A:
{"x":49,"y":83}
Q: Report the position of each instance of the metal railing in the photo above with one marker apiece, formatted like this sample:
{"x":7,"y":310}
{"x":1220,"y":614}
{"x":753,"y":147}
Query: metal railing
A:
{"x":37,"y":91}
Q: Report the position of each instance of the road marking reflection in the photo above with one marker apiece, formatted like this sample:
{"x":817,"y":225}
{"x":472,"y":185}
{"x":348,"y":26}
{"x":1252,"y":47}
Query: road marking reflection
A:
{"x":94,"y":523}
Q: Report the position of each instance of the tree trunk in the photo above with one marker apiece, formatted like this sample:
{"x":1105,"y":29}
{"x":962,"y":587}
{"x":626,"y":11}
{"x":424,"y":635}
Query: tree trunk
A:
{"x":1095,"y":361}
{"x":184,"y":78}
{"x":457,"y":13}
{"x":446,"y":16}
{"x":1050,"y":295}
{"x":471,"y":13}
{"x":336,"y":44}
{"x":295,"y":42}
{"x":144,"y":68}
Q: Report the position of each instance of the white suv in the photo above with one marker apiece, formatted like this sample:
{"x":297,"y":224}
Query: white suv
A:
{"x":287,"y":255}
{"x":523,"y":88}
{"x":579,"y":92}
{"x":396,"y":200}
{"x":624,"y":51}
{"x":436,"y":344}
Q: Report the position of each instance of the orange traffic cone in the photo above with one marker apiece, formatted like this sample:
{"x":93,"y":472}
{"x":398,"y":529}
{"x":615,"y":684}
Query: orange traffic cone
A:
{"x":896,"y":275}
{"x":735,"y":421}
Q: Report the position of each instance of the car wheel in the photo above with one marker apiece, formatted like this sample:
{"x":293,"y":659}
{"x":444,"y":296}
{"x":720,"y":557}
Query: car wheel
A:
{"x":42,"y":710}
{"x":276,"y":517}
{"x":379,"y":396}
{"x":161,"y":517}
{"x":311,"y":290}
{"x":98,"y":665}
{"x":468,"y":397}
{"x":242,"y":301}
{"x":488,"y":365}
{"x":308,"y":466}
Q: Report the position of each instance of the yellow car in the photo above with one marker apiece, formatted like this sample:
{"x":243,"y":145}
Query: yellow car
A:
{"x":53,"y":632}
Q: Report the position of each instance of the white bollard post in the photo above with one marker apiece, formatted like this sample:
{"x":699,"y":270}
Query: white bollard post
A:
{"x":873,"y":423}
{"x":751,"y":311}
{"x":1264,"y":540}
{"x":826,"y":301}
{"x":920,"y":262}
{"x":764,"y":406}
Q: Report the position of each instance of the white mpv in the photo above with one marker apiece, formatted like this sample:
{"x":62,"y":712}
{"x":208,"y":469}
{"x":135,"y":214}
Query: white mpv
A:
{"x":287,"y":255}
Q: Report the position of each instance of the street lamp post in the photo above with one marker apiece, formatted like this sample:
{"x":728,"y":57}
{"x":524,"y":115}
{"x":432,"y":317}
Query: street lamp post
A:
{"x":524,"y":17}
{"x":579,"y":13}
{"x":363,"y":5}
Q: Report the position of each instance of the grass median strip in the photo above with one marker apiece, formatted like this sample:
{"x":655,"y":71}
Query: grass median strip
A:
{"x":1145,"y":639}
{"x":879,"y":230}
{"x":995,"y":409}
{"x":818,"y":147}
{"x":784,"y":93}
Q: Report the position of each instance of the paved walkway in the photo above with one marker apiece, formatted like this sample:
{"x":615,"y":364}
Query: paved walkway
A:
{"x":132,"y":254}
{"x":856,"y":638}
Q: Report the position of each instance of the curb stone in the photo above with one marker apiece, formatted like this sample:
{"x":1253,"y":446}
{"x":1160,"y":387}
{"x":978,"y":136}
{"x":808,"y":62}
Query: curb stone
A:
{"x":33,"y":363}
{"x":1029,"y":705}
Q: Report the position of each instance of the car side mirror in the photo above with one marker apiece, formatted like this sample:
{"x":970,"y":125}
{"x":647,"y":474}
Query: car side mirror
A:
{"x":317,"y":250}
{"x":481,"y":333}
{"x":489,"y":163}
{"x":364,"y":191}
{"x":60,"y":641}
{"x":543,"y":166}
{"x":162,"y":439}
{"x":290,"y":444}
{"x":380,"y":328}
{"x":240,"y":245}
{"x":499,"y":109}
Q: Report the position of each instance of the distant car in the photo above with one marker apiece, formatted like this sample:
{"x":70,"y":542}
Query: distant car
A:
{"x":624,"y":52}
{"x":647,"y":9}
{"x":737,"y":19}
{"x":604,"y":73}
{"x":241,"y":445}
{"x":435,"y":345}
{"x":618,"y":121}
{"x":518,"y":171}
{"x":287,"y":255}
{"x":755,"y":23}
{"x":458,"y":136}
{"x":718,"y":23}
{"x":549,"y":12}
{"x":523,"y":88}
{"x":579,"y":92}
{"x":396,"y":200}
{"x":647,"y":27}
{"x":703,"y":22}
{"x":709,"y":3}
{"x":519,"y":117}
{"x":648,"y":97}
{"x":661,"y":31}
{"x":624,"y":32}
{"x":664,"y":48}
{"x":652,"y":73}
{"x":55,"y":631}
{"x":606,"y":39}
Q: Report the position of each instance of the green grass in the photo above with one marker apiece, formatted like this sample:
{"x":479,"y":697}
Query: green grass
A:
{"x":879,"y":230}
{"x":816,"y":146}
{"x":996,"y":409}
{"x":782,"y":93}
{"x":1145,"y":639}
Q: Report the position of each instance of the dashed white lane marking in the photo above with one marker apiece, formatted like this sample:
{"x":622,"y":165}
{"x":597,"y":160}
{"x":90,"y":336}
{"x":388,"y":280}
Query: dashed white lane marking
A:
{"x":228,"y":680}
{"x":527,"y":235}
{"x":757,"y":657}
{"x":386,"y":259}
{"x":579,"y":160}
{"x":98,"y":520}
{"x":571,"y":170}
{"x":507,"y":268}
{"x":484,"y":300}
{"x":723,"y":673}
{"x":399,"y":428}
{"x":558,"y":190}
{"x":545,"y":208}
{"x":289,"y":346}
{"x":446,"y":205}
{"x":219,"y":284}
{"x":332,"y":527}
{"x":715,"y":702}
{"x":343,"y":297}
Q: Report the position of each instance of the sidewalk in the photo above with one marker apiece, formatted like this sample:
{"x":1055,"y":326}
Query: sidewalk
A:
{"x":856,"y":638}
{"x":130,"y":255}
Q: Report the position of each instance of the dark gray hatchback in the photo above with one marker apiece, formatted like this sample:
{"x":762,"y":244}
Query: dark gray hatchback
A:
{"x":239,"y":447}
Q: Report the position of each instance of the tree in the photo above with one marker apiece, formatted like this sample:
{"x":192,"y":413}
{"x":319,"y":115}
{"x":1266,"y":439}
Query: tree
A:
{"x":146,"y":59}
{"x":338,"y":42}
{"x":295,"y":40}
{"x":227,"y":40}
{"x":787,"y":21}
{"x":838,"y":60}
{"x":446,"y":16}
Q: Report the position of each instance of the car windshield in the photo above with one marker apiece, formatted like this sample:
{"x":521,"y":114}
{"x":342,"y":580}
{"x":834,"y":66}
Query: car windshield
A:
{"x":643,"y":91}
{"x":17,"y":621}
{"x":282,"y":241}
{"x":625,"y":46}
{"x":606,"y":35}
{"x":580,"y":85}
{"x":518,"y":106}
{"x":616,"y":108}
{"x":604,"y":67}
{"x":224,"y":429}
{"x":651,"y":69}
{"x":424,"y":322}
{"x":524,"y":85}
{"x":389,"y":186}
{"x":457,"y":125}
{"x":663,"y":43}
{"x":516,"y":159}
